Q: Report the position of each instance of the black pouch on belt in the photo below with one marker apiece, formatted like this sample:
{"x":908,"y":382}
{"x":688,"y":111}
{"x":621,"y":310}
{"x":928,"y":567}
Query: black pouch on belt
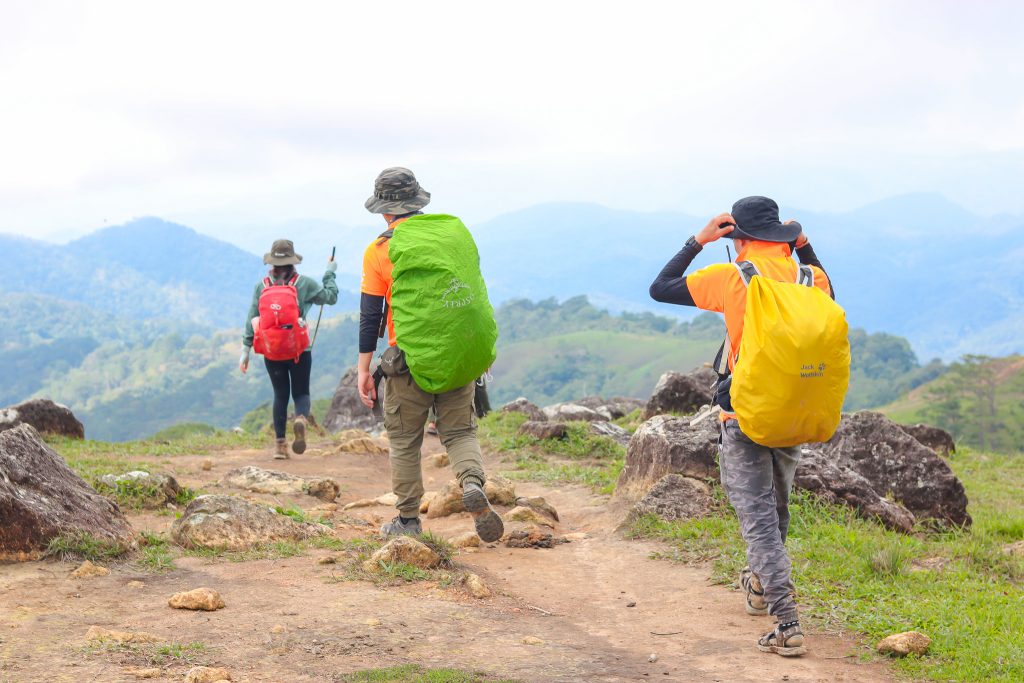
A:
{"x":392,"y":362}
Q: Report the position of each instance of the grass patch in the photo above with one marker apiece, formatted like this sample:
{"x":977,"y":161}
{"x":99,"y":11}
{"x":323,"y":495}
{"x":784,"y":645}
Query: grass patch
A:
{"x":444,"y":549}
{"x":856,"y":575}
{"x":154,"y":654}
{"x":184,"y":430}
{"x":84,"y":451}
{"x":414,"y":673}
{"x":83,"y":546}
{"x":632,"y":421}
{"x":154,"y":553}
{"x":594,"y":461}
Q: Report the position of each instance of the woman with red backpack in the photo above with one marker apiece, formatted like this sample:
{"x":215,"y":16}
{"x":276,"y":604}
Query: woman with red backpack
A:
{"x":276,"y":328}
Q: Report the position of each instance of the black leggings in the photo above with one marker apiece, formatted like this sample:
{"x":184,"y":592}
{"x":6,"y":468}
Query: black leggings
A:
{"x":287,"y":376}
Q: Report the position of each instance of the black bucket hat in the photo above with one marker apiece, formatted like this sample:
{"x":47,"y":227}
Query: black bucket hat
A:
{"x":757,"y":218}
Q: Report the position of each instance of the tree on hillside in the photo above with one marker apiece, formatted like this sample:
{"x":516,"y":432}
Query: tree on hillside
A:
{"x":964,"y":401}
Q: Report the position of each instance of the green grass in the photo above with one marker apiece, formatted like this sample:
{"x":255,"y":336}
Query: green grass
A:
{"x":154,"y":553}
{"x":184,"y":430}
{"x":83,"y":546}
{"x":135,"y":495}
{"x":413,"y":673}
{"x":854,"y":574}
{"x":75,"y":451}
{"x":580,"y":458}
{"x":153,"y":654}
{"x":261,"y":551}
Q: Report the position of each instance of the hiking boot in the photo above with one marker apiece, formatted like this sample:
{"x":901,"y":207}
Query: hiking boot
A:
{"x":489,"y":526}
{"x":786,"y":640}
{"x":432,"y":428}
{"x":281,"y":449}
{"x":756,"y":604}
{"x":299,"y":428}
{"x":397,"y":527}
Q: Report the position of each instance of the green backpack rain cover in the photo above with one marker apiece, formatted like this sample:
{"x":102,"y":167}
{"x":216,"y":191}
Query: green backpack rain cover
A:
{"x":443,"y":319}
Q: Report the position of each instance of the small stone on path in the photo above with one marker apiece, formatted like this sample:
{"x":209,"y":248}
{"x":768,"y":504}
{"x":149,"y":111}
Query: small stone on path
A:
{"x":330,"y":559}
{"x":528,"y":515}
{"x":903,"y":644}
{"x":144,"y":673}
{"x":403,"y":549}
{"x":205,"y":599}
{"x":372,"y":622}
{"x":476,"y":586}
{"x":207,"y":674}
{"x":135,"y":584}
{"x":468,"y":539}
{"x":278,"y":628}
{"x":98,"y":633}
{"x":87,"y":570}
{"x":532,"y":640}
{"x":207,"y":465}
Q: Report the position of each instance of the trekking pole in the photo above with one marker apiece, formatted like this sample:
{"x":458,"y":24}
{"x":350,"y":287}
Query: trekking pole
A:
{"x":321,"y":314}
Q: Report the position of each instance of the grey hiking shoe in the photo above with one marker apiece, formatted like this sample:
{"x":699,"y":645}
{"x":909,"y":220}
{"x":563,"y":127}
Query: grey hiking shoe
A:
{"x":786,"y":640}
{"x":396,"y":528}
{"x":299,"y":428}
{"x":489,"y":526}
{"x":751,"y":585}
{"x":281,"y":449}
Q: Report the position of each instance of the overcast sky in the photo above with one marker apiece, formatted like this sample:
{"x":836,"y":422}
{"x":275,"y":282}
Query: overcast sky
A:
{"x":231,"y":113}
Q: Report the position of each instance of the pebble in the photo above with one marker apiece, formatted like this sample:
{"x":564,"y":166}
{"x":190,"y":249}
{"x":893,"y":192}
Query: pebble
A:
{"x":88,"y":570}
{"x":205,"y":599}
{"x":207,"y":465}
{"x":330,"y":559}
{"x":207,"y":674}
{"x":532,"y":640}
{"x":652,"y":658}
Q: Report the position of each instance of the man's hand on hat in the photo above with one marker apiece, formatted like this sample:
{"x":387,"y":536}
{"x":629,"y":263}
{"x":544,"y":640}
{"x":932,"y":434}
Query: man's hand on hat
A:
{"x":801,"y":239}
{"x":718,"y":227}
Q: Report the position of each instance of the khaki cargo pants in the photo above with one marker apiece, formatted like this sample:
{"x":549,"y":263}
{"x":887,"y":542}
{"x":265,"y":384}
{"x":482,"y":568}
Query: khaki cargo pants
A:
{"x":405,"y":417}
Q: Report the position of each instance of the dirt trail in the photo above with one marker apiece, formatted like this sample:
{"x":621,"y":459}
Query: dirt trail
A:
{"x":574,"y":597}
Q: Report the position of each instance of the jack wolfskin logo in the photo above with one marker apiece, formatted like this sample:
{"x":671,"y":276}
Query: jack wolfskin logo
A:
{"x":458,"y":294}
{"x":275,"y":307}
{"x":808,"y":370}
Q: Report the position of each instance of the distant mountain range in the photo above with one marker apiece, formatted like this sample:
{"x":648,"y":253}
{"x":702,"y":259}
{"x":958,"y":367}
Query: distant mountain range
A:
{"x":915,"y":265}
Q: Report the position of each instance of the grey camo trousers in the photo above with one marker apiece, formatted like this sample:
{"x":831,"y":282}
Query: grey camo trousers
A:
{"x":758,"y":480}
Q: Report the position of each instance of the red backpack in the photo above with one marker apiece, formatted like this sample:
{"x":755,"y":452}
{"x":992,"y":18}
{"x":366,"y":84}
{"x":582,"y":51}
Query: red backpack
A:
{"x":280,"y":332}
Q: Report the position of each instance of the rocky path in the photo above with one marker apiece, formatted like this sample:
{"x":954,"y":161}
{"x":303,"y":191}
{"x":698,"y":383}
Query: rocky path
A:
{"x":582,"y":611}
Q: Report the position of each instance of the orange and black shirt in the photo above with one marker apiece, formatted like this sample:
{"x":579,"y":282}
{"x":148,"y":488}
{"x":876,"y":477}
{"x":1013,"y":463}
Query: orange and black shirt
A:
{"x":720,"y":288}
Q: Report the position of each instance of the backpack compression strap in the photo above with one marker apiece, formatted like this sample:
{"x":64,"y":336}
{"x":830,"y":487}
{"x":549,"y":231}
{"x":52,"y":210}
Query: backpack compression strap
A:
{"x":382,"y":330}
{"x":805,"y":276}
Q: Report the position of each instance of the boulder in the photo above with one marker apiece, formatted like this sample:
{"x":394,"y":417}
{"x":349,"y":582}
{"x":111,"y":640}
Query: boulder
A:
{"x":543,"y":429}
{"x":404,"y":549}
{"x":200,"y":599}
{"x":230,"y":523}
{"x":666,"y":445}
{"x":151,"y":490}
{"x":903,"y":644}
{"x":840,"y":484}
{"x":347,"y":411}
{"x":41,"y":498}
{"x":358,"y":441}
{"x":448,"y":501}
{"x":682,"y":394}
{"x":676,"y":497}
{"x":277,"y":483}
{"x":898,"y":466}
{"x":939,"y":440}
{"x":572,"y":412}
{"x":612,"y":431}
{"x":612,"y":408}
{"x":467,"y":539}
{"x":45,"y":416}
{"x":521,"y":405}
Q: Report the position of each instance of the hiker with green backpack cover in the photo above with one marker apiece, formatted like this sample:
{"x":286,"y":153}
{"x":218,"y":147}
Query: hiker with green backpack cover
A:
{"x":422,"y":287}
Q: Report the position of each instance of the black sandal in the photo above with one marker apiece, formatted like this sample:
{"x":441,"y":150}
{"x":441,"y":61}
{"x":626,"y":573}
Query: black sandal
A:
{"x":786,"y":640}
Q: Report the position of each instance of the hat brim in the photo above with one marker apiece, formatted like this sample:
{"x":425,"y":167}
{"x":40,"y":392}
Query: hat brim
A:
{"x":777,"y":232}
{"x":271,"y":260}
{"x":397,"y":207}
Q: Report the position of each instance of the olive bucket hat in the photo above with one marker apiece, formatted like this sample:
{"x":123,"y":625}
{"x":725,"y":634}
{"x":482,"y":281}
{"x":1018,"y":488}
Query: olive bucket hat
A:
{"x":282,"y":254}
{"x":397,"y":192}
{"x":757,"y":218}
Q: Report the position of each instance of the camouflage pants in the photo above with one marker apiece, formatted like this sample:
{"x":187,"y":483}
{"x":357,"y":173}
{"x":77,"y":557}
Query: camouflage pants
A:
{"x":758,"y":480}
{"x":405,"y":417}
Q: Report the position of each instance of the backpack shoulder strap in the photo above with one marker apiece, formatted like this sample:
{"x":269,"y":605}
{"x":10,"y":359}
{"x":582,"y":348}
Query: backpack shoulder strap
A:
{"x":267,"y":283}
{"x":295,"y":278}
{"x":805,"y":276}
{"x":747,"y":271}
{"x":385,"y":236}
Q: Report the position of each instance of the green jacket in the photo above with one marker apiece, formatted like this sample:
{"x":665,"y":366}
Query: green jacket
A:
{"x":311,"y":293}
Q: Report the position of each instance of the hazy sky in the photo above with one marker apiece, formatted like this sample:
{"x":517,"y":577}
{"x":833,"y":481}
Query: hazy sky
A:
{"x":231,"y":113}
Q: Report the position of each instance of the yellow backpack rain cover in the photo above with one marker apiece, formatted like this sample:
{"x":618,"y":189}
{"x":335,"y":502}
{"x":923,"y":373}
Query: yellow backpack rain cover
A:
{"x":793,"y":368}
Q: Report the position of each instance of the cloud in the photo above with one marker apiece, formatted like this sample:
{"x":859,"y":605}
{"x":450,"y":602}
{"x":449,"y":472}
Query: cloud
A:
{"x":115,"y":109}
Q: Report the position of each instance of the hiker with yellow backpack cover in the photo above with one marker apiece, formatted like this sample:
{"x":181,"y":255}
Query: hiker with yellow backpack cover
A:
{"x":783,"y":373}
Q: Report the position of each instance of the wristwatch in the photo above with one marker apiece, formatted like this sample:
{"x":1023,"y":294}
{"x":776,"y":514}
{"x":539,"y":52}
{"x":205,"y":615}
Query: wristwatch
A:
{"x":692,"y":243}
